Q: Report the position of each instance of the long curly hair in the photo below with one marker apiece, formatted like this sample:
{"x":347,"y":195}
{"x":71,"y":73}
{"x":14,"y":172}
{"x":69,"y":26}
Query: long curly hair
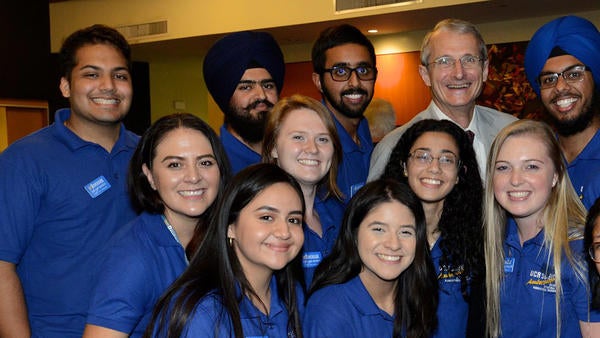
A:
{"x":588,"y":237}
{"x":460,"y":225}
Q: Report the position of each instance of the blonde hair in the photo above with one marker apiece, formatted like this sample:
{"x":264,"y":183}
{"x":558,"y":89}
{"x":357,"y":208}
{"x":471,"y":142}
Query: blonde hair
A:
{"x":563,"y":219}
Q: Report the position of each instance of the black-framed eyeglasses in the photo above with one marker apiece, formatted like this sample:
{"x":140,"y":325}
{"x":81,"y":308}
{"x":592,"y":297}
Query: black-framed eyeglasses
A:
{"x":573,"y":74}
{"x":424,"y":157}
{"x":594,"y":252}
{"x":343,"y":73}
{"x":448,"y":62}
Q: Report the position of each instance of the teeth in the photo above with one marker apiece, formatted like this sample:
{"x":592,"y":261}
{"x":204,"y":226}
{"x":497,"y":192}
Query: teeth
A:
{"x":353,"y":96}
{"x":308,"y":162}
{"x":105,"y":101}
{"x":191,"y":192}
{"x":458,"y":86}
{"x":431,"y":181}
{"x":565,"y":102}
{"x":518,"y":194}
{"x":389,"y":258}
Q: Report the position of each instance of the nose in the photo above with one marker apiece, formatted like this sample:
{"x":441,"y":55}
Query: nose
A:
{"x":107,"y":83}
{"x":310,"y":146}
{"x":282,"y":230}
{"x":515,"y":177}
{"x":434,"y":165}
{"x":260,"y":92}
{"x":561,"y":84}
{"x":393,"y":242}
{"x":354,"y":81}
{"x":192,"y":174}
{"x":458,"y":70}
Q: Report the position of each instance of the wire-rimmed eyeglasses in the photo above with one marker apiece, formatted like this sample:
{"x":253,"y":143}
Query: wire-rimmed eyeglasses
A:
{"x":575,"y":73}
{"x":343,"y":73}
{"x":445,"y":160}
{"x":448,"y":62}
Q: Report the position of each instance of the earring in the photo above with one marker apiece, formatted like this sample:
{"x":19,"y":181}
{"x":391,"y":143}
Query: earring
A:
{"x":230,"y":240}
{"x":405,"y":171}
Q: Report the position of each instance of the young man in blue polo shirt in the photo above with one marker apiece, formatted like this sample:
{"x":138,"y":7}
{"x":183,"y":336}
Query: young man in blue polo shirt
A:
{"x":344,"y":71}
{"x":63,"y":191}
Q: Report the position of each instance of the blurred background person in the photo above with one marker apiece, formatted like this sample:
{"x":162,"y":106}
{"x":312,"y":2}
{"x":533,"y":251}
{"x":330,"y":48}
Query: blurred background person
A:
{"x":382,"y":118}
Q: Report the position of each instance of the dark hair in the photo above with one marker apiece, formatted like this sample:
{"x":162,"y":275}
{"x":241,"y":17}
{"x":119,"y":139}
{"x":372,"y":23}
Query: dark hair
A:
{"x":215,"y":266}
{"x":460,"y":225}
{"x":335,"y":36}
{"x":417,"y":292}
{"x":143,"y":197}
{"x":92,"y":35}
{"x":592,"y":216}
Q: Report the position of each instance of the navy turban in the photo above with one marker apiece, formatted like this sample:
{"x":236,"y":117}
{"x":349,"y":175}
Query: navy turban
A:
{"x":574,"y":35}
{"x":228,"y":59}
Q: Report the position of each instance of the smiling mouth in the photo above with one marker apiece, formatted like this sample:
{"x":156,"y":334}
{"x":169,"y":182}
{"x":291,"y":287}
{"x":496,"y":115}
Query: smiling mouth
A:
{"x":100,"y":100}
{"x":309,"y":162}
{"x":518,"y":194}
{"x":564,"y":103}
{"x":431,"y":181}
{"x":191,"y":193}
{"x":388,"y":258}
{"x":459,"y":86}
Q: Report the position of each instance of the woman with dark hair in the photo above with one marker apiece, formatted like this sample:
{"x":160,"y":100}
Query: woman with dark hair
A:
{"x":177,"y":171}
{"x":436,"y":159}
{"x":300,"y":137}
{"x":379,"y":280}
{"x":243,"y":281}
{"x":592,"y":242}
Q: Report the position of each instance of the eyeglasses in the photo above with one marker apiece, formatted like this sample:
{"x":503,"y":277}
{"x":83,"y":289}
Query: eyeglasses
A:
{"x":448,"y":62}
{"x":594,"y":252}
{"x":424,"y":157}
{"x":343,"y":73}
{"x":572,"y":74}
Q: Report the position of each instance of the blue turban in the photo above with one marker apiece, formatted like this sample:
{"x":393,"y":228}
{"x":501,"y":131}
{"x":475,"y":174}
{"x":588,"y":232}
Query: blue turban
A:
{"x":228,"y":59}
{"x":574,"y":35}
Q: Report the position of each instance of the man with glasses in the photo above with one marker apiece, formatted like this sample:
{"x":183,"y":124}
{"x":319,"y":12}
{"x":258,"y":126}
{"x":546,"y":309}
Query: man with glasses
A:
{"x":344,"y":71}
{"x":562,"y":63}
{"x":454,"y":66}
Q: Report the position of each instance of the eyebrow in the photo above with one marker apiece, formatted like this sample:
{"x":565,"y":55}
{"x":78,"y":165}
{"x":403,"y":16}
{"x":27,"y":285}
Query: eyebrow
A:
{"x":93,"y":67}
{"x":273,"y":209}
{"x":441,"y":151}
{"x":175,"y":157}
{"x":256,"y":81}
{"x":564,"y":69}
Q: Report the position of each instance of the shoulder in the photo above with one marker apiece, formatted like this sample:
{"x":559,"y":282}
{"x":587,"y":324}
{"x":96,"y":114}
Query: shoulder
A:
{"x":494,"y":116}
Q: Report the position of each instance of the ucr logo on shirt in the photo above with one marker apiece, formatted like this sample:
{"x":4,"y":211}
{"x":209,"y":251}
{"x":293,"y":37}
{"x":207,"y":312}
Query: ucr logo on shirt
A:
{"x":98,"y":186}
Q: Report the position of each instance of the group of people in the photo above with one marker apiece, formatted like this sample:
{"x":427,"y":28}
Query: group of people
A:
{"x":464,"y":222}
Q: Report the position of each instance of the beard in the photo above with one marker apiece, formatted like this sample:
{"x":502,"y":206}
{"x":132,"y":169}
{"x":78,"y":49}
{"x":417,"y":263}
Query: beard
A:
{"x":344,"y":109}
{"x":580,"y":122}
{"x":250,"y":128}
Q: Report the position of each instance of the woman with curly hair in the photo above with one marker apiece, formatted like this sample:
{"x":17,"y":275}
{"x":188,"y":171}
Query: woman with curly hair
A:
{"x":592,"y":242}
{"x":436,"y":159}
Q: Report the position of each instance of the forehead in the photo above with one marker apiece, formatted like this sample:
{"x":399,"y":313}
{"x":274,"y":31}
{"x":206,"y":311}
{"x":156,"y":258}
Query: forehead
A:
{"x":280,"y":195}
{"x":445,"y":42}
{"x":436,"y":140}
{"x":100,"y":54}
{"x":349,"y":53}
{"x":559,"y":63}
{"x":596,"y":231}
{"x":256,"y":74}
{"x":183,"y":137}
{"x":301,"y":117}
{"x":529,"y":146}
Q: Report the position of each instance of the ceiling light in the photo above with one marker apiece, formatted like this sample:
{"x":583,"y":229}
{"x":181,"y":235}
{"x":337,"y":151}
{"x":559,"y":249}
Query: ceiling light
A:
{"x":372,"y":31}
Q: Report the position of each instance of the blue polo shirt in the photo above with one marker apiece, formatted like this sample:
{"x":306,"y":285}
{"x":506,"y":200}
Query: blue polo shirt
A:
{"x":61,"y":199}
{"x":141,"y":261}
{"x":453,"y":310}
{"x":240,"y":155}
{"x":354,"y":169}
{"x":528,"y":293}
{"x":345,"y":310}
{"x":315,"y":247}
{"x":209,"y":317}
{"x":584,"y":172}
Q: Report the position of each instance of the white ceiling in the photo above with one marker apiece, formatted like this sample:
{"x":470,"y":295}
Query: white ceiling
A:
{"x":477,"y":13}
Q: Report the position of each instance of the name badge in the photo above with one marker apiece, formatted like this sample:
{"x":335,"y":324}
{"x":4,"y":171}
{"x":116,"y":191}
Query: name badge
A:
{"x":311,"y":259}
{"x":97,"y":187}
{"x":509,"y":264}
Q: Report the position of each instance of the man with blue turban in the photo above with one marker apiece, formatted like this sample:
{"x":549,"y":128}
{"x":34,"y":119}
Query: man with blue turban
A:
{"x":244,"y":74}
{"x":562,"y":63}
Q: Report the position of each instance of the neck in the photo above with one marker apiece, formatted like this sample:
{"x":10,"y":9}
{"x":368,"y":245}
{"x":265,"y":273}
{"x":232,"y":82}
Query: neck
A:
{"x":257,"y":147}
{"x":381,"y":291}
{"x":350,"y":124}
{"x":573,"y":145}
{"x":183,"y":227}
{"x":311,"y":218}
{"x":433,"y":213}
{"x":104,"y":135}
{"x":262,"y":287}
{"x":461,"y":115}
{"x":528,"y":229}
